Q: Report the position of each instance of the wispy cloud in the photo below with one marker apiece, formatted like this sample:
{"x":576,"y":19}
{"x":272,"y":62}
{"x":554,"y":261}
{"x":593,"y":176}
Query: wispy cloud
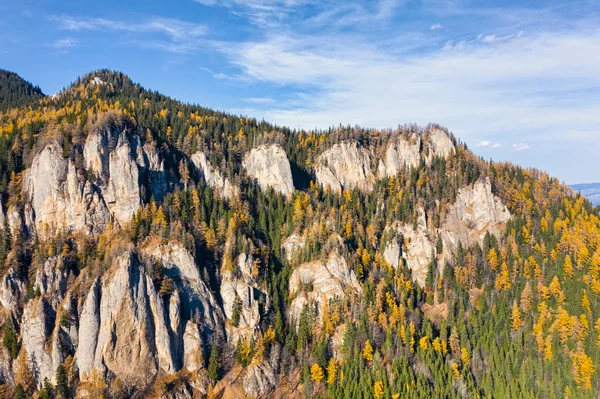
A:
{"x":180,"y":36}
{"x":508,"y":86}
{"x":487,"y":143}
{"x":520,"y":146}
{"x":435,"y":26}
{"x":259,"y":100}
{"x":63,"y":45}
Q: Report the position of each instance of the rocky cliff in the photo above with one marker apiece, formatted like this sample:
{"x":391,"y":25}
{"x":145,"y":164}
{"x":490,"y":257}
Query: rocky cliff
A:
{"x":108,"y":187}
{"x":213,"y":177}
{"x":476,"y":211}
{"x":270,"y":167}
{"x":318,"y":282}
{"x":345,"y":165}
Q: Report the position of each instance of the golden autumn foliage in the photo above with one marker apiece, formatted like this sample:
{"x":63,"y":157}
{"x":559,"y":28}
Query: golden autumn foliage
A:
{"x":316,"y":373}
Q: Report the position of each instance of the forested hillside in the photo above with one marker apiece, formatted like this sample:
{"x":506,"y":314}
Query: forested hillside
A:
{"x":15,"y":91}
{"x":150,"y":248}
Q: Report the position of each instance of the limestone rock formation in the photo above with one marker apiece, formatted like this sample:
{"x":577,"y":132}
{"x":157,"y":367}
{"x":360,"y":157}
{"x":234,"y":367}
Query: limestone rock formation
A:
{"x":124,"y":326}
{"x":197,"y":300}
{"x":11,"y":288}
{"x":320,"y":281}
{"x":269,"y":165}
{"x":260,"y":377}
{"x":475,"y":212}
{"x":37,"y":326}
{"x":60,"y":199}
{"x":345,"y":165}
{"x":416,"y":249}
{"x":292,"y":245}
{"x":439,"y":144}
{"x":213,"y":176}
{"x":51,"y":280}
{"x":403,"y":153}
{"x":240,"y":289}
{"x":193,"y":350}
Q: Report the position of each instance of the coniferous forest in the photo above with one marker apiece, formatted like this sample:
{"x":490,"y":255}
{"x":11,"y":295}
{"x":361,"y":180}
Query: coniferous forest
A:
{"x":141,"y":232}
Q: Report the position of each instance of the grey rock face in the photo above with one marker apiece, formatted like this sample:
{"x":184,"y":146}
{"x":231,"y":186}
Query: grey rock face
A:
{"x":213,"y":176}
{"x":11,"y":288}
{"x":269,"y":165}
{"x":197,"y":300}
{"x":37,"y":326}
{"x":132,"y":340}
{"x":193,"y":348}
{"x":89,"y":326}
{"x":122,"y":194}
{"x":439,"y":143}
{"x":239,"y":285}
{"x":404,"y":153}
{"x":292,"y":245}
{"x":345,"y":165}
{"x":476,"y":211}
{"x":59,"y":198}
{"x":259,"y":380}
{"x":51,"y":280}
{"x":327,"y":280}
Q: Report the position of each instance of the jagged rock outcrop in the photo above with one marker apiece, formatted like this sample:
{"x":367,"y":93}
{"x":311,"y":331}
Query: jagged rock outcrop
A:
{"x":51,"y":280}
{"x":196,"y":299}
{"x":60,"y":196}
{"x":292,"y":245}
{"x":116,"y":171}
{"x":60,"y":199}
{"x":269,"y":165}
{"x":193,"y":348}
{"x":416,"y":249}
{"x":241,"y":294}
{"x":11,"y":289}
{"x":261,"y":377}
{"x":213,"y":176}
{"x":439,"y":144}
{"x":126,"y":326}
{"x":475,"y":212}
{"x":345,"y":165}
{"x":403,"y":153}
{"x":320,"y":281}
{"x":37,"y":326}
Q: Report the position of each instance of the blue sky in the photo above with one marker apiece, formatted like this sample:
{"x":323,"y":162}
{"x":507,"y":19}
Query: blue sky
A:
{"x":515,"y":80}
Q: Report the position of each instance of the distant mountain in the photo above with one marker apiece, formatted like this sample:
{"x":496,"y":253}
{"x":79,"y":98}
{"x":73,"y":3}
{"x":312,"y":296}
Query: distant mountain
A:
{"x":16,"y":91}
{"x":590,"y":190}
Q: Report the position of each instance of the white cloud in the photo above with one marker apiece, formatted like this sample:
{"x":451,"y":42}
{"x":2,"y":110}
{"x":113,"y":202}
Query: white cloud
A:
{"x":489,"y":39}
{"x":182,"y":36}
{"x":520,"y":146}
{"x":538,"y":83}
{"x":487,"y":143}
{"x":259,"y":100}
{"x":435,"y":26}
{"x":64,"y":45}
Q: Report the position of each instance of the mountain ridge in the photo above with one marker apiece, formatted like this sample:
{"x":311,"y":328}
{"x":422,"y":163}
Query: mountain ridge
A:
{"x":199,"y":248}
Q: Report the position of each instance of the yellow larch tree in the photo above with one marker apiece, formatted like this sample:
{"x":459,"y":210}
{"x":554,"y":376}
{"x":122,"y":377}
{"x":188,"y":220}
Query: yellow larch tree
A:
{"x":378,"y":389}
{"x":583,"y":369}
{"x":316,"y":373}
{"x":515,"y":318}
{"x":568,"y":266}
{"x":367,"y":352}
{"x":331,"y":372}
